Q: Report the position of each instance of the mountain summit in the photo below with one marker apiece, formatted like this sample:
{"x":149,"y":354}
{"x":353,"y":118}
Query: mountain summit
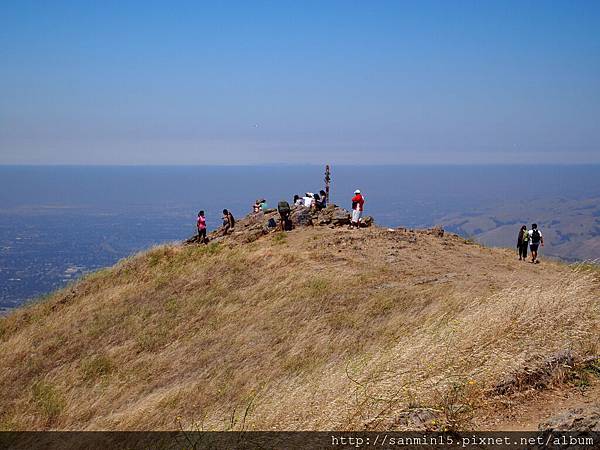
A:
{"x":318,"y":328}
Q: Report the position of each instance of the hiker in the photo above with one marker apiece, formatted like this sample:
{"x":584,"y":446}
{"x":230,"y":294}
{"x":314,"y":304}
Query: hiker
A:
{"x":316,"y":202}
{"x":522,"y":243}
{"x":259,"y":205}
{"x":358,"y":202}
{"x":535,"y":239}
{"x":323,"y":198}
{"x":201,"y":225}
{"x":309,"y":199}
{"x":298,"y":200}
{"x":228,"y":222}
{"x":284,"y":210}
{"x":319,"y":201}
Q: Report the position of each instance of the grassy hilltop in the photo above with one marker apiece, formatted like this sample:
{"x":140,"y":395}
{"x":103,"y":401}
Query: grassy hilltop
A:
{"x":319,"y":328}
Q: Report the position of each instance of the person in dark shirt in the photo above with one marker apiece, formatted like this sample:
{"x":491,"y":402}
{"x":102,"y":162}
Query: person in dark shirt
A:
{"x":323,"y":195}
{"x":228,"y":222}
{"x":522,"y":243}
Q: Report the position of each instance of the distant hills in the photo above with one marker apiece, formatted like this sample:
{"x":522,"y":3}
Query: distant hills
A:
{"x":571,"y":228}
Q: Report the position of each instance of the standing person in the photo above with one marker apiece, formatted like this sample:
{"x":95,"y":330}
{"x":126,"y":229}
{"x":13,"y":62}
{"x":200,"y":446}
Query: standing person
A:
{"x":358,"y":202}
{"x":522,"y":243}
{"x":228,"y":222}
{"x":535,"y":239}
{"x":284,"y":210}
{"x":201,"y":225}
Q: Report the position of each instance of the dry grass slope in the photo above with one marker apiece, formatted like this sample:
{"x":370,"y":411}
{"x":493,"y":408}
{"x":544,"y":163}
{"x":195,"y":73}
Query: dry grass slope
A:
{"x":316,"y":329}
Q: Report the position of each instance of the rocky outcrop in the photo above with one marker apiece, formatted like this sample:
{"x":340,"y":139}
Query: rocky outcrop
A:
{"x":577,"y":419}
{"x":254,"y":225}
{"x":301,"y":216}
{"x":537,"y":375}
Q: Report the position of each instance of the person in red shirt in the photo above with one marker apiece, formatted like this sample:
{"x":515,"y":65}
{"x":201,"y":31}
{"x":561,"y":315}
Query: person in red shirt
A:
{"x":358,"y":202}
{"x":201,"y":224}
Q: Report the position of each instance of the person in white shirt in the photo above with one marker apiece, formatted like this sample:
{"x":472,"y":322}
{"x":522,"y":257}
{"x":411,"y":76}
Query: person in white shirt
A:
{"x":535,"y":239}
{"x":309,"y":199}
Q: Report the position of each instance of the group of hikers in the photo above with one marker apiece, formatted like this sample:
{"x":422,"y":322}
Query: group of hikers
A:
{"x":529,"y":238}
{"x":315,"y":202}
{"x":228,"y":224}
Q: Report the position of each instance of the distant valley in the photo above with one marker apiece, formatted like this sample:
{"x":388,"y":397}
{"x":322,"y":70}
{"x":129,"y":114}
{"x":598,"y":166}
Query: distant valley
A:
{"x":571,"y":228}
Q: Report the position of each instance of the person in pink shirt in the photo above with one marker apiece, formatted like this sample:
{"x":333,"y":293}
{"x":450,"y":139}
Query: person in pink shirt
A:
{"x":201,"y":224}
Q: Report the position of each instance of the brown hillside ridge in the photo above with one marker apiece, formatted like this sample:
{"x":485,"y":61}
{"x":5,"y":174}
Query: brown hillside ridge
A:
{"x":318,"y":328}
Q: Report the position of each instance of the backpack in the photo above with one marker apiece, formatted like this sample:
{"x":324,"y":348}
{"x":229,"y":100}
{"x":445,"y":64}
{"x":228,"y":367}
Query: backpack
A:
{"x":283,"y":207}
{"x":231,"y":220}
{"x":535,"y":236}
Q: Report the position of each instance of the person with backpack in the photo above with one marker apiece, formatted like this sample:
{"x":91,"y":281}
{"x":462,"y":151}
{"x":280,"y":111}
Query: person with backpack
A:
{"x":535,"y":239}
{"x":283,"y":208}
{"x":228,"y":222}
{"x":201,"y":225}
{"x":358,"y":202}
{"x":522,"y":243}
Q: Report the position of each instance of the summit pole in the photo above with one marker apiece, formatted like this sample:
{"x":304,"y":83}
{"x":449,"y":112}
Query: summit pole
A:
{"x":327,"y":183}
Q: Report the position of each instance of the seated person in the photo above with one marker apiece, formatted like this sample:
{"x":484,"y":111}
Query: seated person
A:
{"x":323,"y":196}
{"x":319,"y":203}
{"x":308,"y":199}
{"x":228,"y":222}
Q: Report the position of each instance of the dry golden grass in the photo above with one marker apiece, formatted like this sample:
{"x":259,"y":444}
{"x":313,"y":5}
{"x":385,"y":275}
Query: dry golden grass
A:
{"x":316,"y":329}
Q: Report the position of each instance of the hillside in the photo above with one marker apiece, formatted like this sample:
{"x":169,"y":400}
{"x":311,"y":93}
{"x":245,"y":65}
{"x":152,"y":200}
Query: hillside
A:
{"x":318,"y":328}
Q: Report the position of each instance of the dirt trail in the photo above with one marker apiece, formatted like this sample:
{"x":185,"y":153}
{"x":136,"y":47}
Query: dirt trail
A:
{"x":525,"y":413}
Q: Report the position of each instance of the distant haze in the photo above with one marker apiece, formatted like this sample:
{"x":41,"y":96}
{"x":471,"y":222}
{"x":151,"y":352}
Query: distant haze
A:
{"x":252,"y":82}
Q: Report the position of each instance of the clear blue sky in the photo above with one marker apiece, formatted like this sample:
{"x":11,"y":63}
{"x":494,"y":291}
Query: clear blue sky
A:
{"x":117,"y":82}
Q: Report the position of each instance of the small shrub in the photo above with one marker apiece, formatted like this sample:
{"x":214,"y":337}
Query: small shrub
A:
{"x":152,"y":339}
{"x":317,"y":286}
{"x":458,"y":403}
{"x":213,"y":248}
{"x":96,"y":367}
{"x":48,"y":399}
{"x":172,"y":306}
{"x":7,"y":424}
{"x":279,"y":238}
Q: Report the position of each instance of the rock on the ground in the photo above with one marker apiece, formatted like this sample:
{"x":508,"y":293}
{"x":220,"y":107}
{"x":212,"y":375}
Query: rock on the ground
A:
{"x":577,"y":419}
{"x":366,"y":221}
{"x":301,"y":217}
{"x":340,"y":217}
{"x":435,"y":231}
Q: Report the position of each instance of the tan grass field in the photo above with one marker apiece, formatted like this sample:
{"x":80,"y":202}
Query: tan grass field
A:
{"x":314,"y":329}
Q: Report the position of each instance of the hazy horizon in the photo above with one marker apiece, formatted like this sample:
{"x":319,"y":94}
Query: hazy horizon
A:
{"x":249,"y":83}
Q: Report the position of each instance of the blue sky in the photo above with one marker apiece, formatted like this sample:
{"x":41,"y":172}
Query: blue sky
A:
{"x":249,"y":82}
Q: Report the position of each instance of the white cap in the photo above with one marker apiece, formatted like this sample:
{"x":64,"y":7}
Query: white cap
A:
{"x":357,"y":191}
